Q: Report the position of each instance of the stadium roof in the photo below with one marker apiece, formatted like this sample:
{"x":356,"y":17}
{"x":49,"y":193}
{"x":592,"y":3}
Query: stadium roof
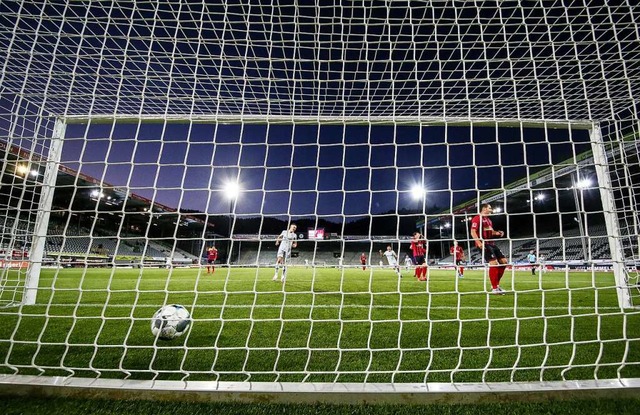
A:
{"x":88,"y":190}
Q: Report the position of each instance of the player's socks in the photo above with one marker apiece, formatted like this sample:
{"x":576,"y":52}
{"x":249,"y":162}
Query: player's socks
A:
{"x":494,"y":276}
{"x":461,"y":270}
{"x":423,"y":273}
{"x":501,"y":270}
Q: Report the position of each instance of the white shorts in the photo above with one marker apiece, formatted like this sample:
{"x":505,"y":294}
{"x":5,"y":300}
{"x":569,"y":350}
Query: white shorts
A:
{"x":282,"y":253}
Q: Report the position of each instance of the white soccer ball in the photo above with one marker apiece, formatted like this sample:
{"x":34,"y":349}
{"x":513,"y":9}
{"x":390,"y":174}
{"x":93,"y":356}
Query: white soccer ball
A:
{"x":170,"y":321}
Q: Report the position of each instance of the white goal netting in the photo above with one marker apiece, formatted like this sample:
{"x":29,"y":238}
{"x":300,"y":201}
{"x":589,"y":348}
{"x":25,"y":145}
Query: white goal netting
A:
{"x":137,"y":136}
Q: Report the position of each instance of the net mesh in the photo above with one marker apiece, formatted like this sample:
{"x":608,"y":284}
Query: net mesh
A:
{"x":564,"y":61}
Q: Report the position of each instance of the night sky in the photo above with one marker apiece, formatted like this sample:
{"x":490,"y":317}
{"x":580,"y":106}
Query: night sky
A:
{"x":298,"y":170}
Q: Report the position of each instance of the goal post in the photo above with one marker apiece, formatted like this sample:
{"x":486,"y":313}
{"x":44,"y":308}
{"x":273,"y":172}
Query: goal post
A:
{"x":255,"y":254}
{"x":44,"y":206}
{"x":619,"y":264}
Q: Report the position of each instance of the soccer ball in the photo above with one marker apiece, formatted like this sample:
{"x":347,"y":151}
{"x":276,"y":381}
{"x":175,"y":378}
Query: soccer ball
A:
{"x":170,"y":321}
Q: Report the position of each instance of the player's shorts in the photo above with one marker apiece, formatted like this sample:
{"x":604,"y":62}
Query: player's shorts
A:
{"x":393,"y":263}
{"x":211,"y":261}
{"x":419,"y":260}
{"x":283,"y":253}
{"x":458,"y":261}
{"x":492,"y":253}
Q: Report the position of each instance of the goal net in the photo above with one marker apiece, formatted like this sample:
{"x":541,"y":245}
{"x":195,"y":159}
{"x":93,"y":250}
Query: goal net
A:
{"x":161,"y":153}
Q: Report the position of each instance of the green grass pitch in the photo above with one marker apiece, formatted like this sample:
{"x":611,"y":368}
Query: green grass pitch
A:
{"x":323,"y":325}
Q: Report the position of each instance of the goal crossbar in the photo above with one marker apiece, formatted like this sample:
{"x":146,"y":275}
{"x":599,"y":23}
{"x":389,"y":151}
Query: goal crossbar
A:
{"x":325,"y":120}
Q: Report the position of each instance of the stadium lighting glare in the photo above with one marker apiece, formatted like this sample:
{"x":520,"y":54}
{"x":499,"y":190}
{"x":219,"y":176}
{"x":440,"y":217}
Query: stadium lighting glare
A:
{"x":447,"y":225}
{"x":418,"y":192}
{"x":584,"y":183}
{"x":232,"y":190}
{"x":22,"y":169}
{"x":540,"y":197}
{"x":33,"y":173}
{"x":97,"y":194}
{"x":497,"y":209}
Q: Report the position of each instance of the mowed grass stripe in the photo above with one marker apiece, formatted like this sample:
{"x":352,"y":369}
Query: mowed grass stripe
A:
{"x":323,"y":325}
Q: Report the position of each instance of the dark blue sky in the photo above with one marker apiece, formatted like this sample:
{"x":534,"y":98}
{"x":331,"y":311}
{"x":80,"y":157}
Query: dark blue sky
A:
{"x":310,"y":170}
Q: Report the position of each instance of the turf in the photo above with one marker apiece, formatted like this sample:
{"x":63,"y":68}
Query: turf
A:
{"x":323,"y":325}
{"x":15,"y":406}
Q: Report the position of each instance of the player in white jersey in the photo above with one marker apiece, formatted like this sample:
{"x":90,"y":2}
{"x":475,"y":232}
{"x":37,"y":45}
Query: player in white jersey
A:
{"x":408,"y":262}
{"x":543,"y":267}
{"x":392,"y":259}
{"x":286,"y":240}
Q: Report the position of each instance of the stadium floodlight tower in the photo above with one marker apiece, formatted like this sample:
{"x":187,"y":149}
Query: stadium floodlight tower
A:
{"x":419,"y":193}
{"x":327,"y":111}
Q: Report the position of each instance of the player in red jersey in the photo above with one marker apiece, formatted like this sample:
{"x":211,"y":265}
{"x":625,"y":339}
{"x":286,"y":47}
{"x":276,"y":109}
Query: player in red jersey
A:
{"x":483,"y":234}
{"x":419,"y":250}
{"x":458,"y":256}
{"x":212,"y":255}
{"x":363,"y":261}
